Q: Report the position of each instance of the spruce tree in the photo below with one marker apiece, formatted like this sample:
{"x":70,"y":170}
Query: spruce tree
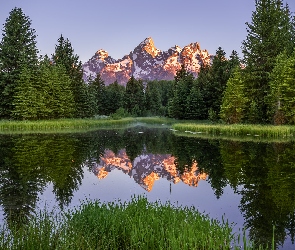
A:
{"x":64,"y":55}
{"x":218,"y":76}
{"x":98,"y":89}
{"x":27,"y":100}
{"x":203,"y":82}
{"x":114,"y":97}
{"x":195,"y":104}
{"x":183,"y":83}
{"x":17,"y":51}
{"x":134,"y":100}
{"x":280,"y":100}
{"x":153,"y":98}
{"x":269,"y":33}
{"x":234,"y":100}
{"x":44,"y":93}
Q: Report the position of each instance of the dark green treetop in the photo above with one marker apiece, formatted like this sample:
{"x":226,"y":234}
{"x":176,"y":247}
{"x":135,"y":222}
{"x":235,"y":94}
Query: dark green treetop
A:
{"x":270,"y":33}
{"x":134,"y":100}
{"x":17,"y":50}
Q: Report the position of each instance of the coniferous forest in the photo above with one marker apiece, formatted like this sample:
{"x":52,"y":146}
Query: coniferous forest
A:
{"x":257,"y":88}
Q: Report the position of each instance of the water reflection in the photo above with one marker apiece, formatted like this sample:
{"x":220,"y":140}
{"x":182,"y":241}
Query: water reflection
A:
{"x":266,"y":172}
{"x":262,"y":174}
{"x":147,"y":168}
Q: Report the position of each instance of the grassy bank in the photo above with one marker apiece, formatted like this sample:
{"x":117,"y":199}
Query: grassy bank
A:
{"x":134,"y":225}
{"x":238,"y":130}
{"x":192,"y":128}
{"x":74,"y":125}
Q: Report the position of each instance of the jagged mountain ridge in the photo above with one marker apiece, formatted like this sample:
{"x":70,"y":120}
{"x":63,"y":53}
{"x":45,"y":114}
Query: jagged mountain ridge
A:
{"x":146,"y":168}
{"x":146,"y":62}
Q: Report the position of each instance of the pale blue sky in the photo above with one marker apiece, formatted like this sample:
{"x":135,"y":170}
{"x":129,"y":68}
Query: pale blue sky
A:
{"x":118,"y":26}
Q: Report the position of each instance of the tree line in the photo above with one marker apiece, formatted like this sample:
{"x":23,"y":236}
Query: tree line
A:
{"x":259,"y":88}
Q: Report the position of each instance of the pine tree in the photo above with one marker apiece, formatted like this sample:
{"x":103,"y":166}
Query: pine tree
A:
{"x":234,"y":62}
{"x":153,"y":98}
{"x":203,"y":81}
{"x":44,"y":93}
{"x":183,"y":83}
{"x":114,"y":97}
{"x":98,"y":88}
{"x":280,"y":100}
{"x":195,"y":104}
{"x":134,"y":100}
{"x":27,"y":100}
{"x":17,"y":51}
{"x":217,"y":78}
{"x":234,"y":100}
{"x":64,"y":55}
{"x":269,"y":33}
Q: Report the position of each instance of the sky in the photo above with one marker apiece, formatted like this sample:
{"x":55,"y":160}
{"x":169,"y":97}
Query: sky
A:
{"x":118,"y":26}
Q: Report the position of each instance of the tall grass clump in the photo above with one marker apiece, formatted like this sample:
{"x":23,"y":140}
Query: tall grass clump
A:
{"x":73,"y":125}
{"x":137,"y":224}
{"x":266,"y":131}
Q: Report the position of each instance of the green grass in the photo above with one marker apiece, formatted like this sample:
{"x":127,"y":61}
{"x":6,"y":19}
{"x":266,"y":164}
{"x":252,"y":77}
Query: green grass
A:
{"x":192,"y":128}
{"x":74,"y":125}
{"x":238,"y":130}
{"x":137,"y":224}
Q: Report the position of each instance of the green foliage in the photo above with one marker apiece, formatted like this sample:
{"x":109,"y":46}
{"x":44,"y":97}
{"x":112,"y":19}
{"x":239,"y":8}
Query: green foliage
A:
{"x":138,"y":224}
{"x":282,"y":91}
{"x":44,"y":93}
{"x":17,"y":50}
{"x":211,"y":83}
{"x":83,"y":98}
{"x":98,"y":89}
{"x":153,"y":98}
{"x":195,"y":104}
{"x":270,"y":32}
{"x":219,"y":74}
{"x":234,"y":100}
{"x":134,"y":101}
{"x":120,"y":113}
{"x":114,"y":98}
{"x":177,"y":106}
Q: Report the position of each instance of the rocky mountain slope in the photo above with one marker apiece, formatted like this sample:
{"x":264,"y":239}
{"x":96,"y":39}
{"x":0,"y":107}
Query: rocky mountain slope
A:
{"x":146,"y":62}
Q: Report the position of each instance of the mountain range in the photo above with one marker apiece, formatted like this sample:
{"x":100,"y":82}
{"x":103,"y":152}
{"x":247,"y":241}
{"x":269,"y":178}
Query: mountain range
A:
{"x":146,"y":168}
{"x":146,"y":62}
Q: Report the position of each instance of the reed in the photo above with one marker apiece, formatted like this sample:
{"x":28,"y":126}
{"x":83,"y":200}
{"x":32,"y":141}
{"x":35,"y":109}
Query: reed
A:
{"x":74,"y":125}
{"x":137,"y":224}
{"x":241,"y":130}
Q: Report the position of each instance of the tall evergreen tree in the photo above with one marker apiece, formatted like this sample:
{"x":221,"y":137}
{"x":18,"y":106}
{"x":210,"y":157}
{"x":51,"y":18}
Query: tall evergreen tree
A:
{"x":195,"y":104}
{"x":218,"y":76}
{"x":114,"y":97}
{"x":44,"y":93}
{"x":17,"y":51}
{"x":134,"y":100}
{"x":183,"y":83}
{"x":153,"y":98}
{"x":203,"y":81}
{"x":99,"y":91}
{"x":234,"y":100}
{"x":64,"y":55}
{"x":269,"y":33}
{"x":280,"y":99}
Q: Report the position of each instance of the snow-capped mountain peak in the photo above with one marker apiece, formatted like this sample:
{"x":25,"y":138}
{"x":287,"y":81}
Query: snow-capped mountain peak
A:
{"x":146,"y":62}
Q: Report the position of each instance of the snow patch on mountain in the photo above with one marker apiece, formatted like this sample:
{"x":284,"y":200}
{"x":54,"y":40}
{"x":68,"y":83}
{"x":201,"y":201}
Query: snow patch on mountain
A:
{"x":146,"y":62}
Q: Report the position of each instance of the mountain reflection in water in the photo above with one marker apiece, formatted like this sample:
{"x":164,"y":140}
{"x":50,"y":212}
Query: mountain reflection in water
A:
{"x":252,"y":184}
{"x":147,"y":168}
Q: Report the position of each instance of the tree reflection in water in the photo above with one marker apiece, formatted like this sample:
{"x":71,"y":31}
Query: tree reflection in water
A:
{"x":262,"y":173}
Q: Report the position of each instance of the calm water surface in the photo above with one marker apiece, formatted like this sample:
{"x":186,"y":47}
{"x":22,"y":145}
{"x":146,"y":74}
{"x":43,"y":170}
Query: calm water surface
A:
{"x":249,"y":184}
